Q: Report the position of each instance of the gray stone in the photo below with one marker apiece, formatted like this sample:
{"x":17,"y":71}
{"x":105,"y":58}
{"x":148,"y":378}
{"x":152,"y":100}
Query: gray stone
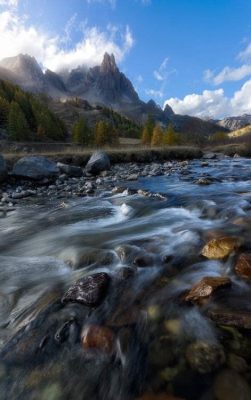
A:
{"x":98,"y":162}
{"x":35,"y":167}
{"x":70,"y":170}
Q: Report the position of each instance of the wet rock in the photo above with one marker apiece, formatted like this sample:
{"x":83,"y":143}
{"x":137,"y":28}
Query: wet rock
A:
{"x":229,"y":385}
{"x":203,"y":181}
{"x":205,"y":357}
{"x":243,"y":266}
{"x":100,"y":338}
{"x":70,"y":170}
{"x":51,"y":392}
{"x":239,"y":319}
{"x":206,"y":287}
{"x":35,"y":167}
{"x":89,"y":290}
{"x":237,"y":363}
{"x":127,"y":253}
{"x":126,"y":272}
{"x":3,"y":169}
{"x":220,"y":248}
{"x":209,"y":156}
{"x":132,"y":177}
{"x":144,"y":260}
{"x":98,"y":162}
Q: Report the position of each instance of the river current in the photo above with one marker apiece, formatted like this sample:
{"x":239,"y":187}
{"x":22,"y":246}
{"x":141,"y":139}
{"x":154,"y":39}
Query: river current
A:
{"x":145,"y":335}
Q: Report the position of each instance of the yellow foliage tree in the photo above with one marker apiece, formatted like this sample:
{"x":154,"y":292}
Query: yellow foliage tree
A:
{"x":157,"y":138}
{"x":147,"y":132}
{"x":170,"y":138}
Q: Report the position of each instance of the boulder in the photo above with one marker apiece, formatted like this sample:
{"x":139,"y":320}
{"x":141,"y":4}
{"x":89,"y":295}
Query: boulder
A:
{"x":98,"y":162}
{"x":206,"y":287}
{"x":205,"y":357}
{"x":3,"y":168}
{"x":220,"y":248}
{"x":243,"y":266}
{"x":99,"y":338}
{"x":35,"y":167}
{"x":229,"y":385}
{"x":89,"y":290}
{"x":70,"y":170}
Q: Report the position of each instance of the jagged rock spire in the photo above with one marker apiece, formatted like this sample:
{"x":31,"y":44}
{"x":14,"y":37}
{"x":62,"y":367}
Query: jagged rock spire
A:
{"x":108,"y":63}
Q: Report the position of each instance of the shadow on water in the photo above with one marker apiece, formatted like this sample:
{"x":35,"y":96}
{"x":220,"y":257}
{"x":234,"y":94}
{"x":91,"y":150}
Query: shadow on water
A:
{"x":143,"y":340}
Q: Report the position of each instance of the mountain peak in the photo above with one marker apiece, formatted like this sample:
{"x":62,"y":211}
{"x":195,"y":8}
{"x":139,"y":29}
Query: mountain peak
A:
{"x":109,"y":63}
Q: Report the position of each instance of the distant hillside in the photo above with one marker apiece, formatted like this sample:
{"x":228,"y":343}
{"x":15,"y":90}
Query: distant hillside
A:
{"x":240,"y":133}
{"x":235,"y":123}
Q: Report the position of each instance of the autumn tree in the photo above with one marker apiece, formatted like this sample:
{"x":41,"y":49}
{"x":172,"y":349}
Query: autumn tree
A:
{"x":219,"y":137}
{"x":18,"y":127}
{"x":81,"y":133}
{"x":170,"y":138}
{"x":157,"y":137}
{"x":147,"y":132}
{"x":105,"y":134}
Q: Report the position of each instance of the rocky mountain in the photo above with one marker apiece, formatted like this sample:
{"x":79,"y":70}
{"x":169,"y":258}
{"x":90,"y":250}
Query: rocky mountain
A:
{"x":235,"y":123}
{"x":102,"y":85}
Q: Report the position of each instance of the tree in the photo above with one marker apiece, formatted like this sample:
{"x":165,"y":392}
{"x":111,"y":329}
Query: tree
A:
{"x":4,"y":112}
{"x":157,"y":137}
{"x":147,"y":132}
{"x":105,"y":134}
{"x":219,"y":137}
{"x":81,"y":133}
{"x":17,"y":124}
{"x":170,"y":137}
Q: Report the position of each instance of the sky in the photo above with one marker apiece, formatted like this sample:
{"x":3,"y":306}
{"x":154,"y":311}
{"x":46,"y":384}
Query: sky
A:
{"x":194,"y":55}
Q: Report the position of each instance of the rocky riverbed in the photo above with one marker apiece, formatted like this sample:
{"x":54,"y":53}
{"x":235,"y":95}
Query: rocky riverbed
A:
{"x":129,"y":283}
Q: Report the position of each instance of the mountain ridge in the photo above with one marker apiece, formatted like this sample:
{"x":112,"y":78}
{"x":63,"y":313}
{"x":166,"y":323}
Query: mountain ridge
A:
{"x":103,"y":85}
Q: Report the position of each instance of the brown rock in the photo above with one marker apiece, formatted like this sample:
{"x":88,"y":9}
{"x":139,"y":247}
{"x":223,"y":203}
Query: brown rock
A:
{"x":89,"y":290}
{"x":205,"y":357}
{"x":229,"y":385}
{"x":220,"y":248}
{"x":243,"y":266}
{"x":206,"y":287}
{"x":237,"y":319}
{"x":99,"y":338}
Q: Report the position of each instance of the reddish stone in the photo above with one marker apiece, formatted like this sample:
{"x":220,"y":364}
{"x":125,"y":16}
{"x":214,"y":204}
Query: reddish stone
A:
{"x":206,"y":287}
{"x":99,"y":338}
{"x":238,"y":319}
{"x":243,"y":266}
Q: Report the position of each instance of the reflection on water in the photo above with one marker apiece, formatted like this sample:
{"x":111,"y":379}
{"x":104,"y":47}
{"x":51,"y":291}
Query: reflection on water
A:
{"x":151,"y":250}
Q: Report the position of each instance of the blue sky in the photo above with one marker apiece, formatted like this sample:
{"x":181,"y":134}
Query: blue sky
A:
{"x":194,"y":54}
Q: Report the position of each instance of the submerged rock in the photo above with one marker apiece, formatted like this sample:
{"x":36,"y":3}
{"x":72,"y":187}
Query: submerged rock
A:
{"x":243,"y":266}
{"x":239,"y":319}
{"x":89,"y":290}
{"x":205,"y":357}
{"x":206,"y":287}
{"x":35,"y":167}
{"x":98,"y":162}
{"x":229,"y":385}
{"x":99,"y":338}
{"x":220,"y":248}
{"x":159,"y":396}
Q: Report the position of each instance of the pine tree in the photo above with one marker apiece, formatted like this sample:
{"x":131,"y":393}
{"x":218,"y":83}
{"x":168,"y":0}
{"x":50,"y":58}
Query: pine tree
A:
{"x":147,"y":132}
{"x":81,"y":133}
{"x":170,"y":138}
{"x":18,"y":127}
{"x":157,"y":137}
{"x":105,"y":134}
{"x":4,"y":112}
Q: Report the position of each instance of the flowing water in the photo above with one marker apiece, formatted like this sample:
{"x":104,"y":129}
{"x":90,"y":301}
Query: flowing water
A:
{"x":151,"y":249}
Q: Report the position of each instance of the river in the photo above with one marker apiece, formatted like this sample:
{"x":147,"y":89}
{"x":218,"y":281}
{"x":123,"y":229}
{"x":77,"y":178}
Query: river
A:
{"x":141,"y":341}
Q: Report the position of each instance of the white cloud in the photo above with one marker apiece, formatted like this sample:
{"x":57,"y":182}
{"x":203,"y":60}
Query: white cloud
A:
{"x":111,"y":2}
{"x":214,"y":103}
{"x":9,"y":3}
{"x":17,"y":36}
{"x":163,"y":73}
{"x":155,"y":93}
{"x":228,"y":74}
{"x":245,"y":54}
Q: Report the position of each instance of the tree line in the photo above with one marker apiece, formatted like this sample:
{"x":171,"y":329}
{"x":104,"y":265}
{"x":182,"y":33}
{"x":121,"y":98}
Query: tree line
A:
{"x":103,"y":134}
{"x":27,"y":117}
